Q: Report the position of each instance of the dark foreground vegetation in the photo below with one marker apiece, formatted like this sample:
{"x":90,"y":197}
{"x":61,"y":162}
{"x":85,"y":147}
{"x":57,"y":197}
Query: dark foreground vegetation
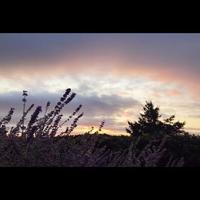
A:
{"x":46,"y":141}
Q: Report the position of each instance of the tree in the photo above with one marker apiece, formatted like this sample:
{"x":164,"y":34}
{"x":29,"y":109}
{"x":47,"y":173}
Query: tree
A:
{"x":149,"y":123}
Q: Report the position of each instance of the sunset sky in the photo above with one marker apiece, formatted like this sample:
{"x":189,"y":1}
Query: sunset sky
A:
{"x":112,"y":74}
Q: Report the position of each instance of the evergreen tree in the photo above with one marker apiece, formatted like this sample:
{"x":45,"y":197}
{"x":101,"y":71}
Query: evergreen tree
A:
{"x":149,"y":123}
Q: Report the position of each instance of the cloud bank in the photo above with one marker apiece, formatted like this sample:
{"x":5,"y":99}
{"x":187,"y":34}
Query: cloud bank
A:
{"x":111,"y":73}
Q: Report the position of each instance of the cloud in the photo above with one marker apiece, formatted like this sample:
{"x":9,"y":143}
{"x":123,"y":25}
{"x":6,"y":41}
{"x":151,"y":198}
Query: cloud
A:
{"x":96,"y":108}
{"x":33,"y":74}
{"x":195,"y":116}
{"x":107,"y":105}
{"x":105,"y":70}
{"x":162,"y":57}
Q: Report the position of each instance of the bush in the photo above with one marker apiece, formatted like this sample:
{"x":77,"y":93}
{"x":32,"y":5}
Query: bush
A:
{"x":150,"y":125}
{"x":41,"y":142}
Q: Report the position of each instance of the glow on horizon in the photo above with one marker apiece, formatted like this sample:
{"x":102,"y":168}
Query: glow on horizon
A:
{"x":141,"y":89}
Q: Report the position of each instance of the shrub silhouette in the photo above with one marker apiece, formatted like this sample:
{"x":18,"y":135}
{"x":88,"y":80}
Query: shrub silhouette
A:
{"x":46,"y":126}
{"x":149,"y":123}
{"x":41,"y":142}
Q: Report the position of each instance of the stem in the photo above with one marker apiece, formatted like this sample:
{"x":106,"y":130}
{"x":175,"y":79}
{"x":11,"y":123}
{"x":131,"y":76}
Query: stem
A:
{"x":24,"y":106}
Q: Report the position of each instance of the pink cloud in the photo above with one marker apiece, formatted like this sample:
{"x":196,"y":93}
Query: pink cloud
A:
{"x":103,"y":65}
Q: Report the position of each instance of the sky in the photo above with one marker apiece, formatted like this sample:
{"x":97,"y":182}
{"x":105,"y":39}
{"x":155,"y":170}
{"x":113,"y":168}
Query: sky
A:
{"x":112,"y":74}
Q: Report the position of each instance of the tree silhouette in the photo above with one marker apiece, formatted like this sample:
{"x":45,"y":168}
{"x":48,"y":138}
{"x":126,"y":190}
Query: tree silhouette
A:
{"x":149,"y":123}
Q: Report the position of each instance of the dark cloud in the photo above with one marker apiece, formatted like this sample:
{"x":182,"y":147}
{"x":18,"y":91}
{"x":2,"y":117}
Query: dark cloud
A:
{"x":96,"y":108}
{"x":169,"y":57}
{"x":29,"y":48}
{"x":168,"y":49}
{"x":106,"y":105}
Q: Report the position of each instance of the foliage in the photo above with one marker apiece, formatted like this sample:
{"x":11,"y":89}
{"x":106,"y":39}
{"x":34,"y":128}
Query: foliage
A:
{"x":47,"y":125}
{"x":149,"y":123}
{"x":42,"y":142}
{"x":78,"y":151}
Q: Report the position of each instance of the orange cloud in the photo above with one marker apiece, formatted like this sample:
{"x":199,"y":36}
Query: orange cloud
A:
{"x":173,"y":93}
{"x":97,"y":66}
